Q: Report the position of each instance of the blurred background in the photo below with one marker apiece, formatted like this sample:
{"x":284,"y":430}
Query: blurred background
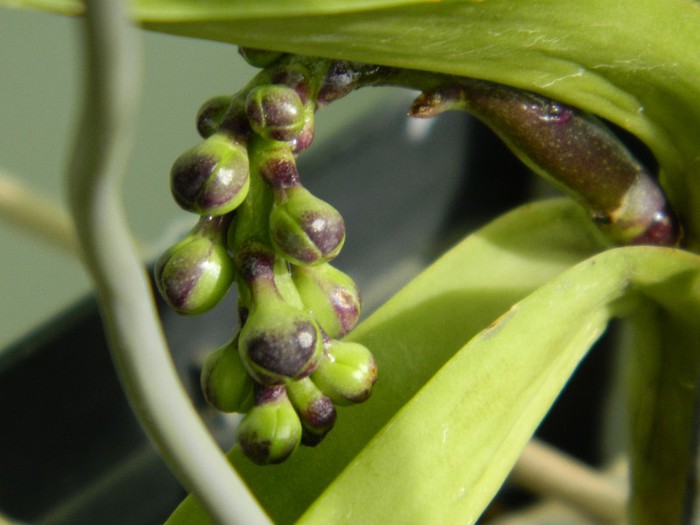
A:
{"x":40,"y":89}
{"x":70,"y":449}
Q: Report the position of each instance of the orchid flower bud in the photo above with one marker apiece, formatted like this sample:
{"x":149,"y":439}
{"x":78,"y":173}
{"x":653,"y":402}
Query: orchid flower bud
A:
{"x":278,"y":341}
{"x":196,"y":273}
{"x":316,"y":410}
{"x":275,"y":112}
{"x":330,"y":295}
{"x":211,"y":113}
{"x":211,"y":178}
{"x":346,"y":372}
{"x":225,"y":382}
{"x":304,"y":229}
{"x":271,"y":431}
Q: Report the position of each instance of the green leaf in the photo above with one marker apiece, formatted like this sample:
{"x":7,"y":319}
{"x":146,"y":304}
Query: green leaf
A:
{"x":63,"y":7}
{"x":455,"y":436}
{"x":419,"y":329}
{"x":442,"y":458}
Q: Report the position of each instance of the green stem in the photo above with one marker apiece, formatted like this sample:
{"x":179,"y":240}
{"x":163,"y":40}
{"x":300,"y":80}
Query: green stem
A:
{"x":551,"y":473}
{"x":138,"y":346}
{"x":36,"y":214}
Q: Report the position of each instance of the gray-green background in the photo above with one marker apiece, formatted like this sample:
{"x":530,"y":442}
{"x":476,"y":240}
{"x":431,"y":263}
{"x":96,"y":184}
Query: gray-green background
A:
{"x":40,"y":82}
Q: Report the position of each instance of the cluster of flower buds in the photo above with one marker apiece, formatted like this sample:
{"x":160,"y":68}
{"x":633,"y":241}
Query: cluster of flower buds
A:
{"x":287,"y":367}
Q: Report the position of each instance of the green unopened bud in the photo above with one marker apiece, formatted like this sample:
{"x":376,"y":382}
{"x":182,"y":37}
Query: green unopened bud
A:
{"x":330,"y":295}
{"x":196,"y":273}
{"x":211,"y":114}
{"x":275,"y":112}
{"x":316,"y":410}
{"x":278,"y":341}
{"x":225,"y":382}
{"x":304,"y":229}
{"x":271,"y":431}
{"x":346,"y":373}
{"x":259,"y":57}
{"x":211,"y":178}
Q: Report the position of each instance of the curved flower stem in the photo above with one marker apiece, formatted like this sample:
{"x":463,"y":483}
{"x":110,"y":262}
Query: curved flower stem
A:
{"x":138,"y":346}
{"x":34,"y":213}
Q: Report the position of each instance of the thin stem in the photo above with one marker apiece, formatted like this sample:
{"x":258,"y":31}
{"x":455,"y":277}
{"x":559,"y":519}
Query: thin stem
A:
{"x":138,"y":346}
{"x":548,"y":472}
{"x":41,"y":216}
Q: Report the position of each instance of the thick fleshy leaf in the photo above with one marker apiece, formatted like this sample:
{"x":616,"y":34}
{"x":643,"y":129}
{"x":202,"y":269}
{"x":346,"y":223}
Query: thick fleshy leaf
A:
{"x":453,"y":442}
{"x":446,"y":453}
{"x":419,"y":329}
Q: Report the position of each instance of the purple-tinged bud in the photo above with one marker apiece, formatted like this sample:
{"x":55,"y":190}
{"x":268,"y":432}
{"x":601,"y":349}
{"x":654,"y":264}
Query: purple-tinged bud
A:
{"x":278,"y":341}
{"x":225,"y":382}
{"x":304,"y":229}
{"x":278,"y":165}
{"x":295,"y":76}
{"x":330,"y":295}
{"x":306,"y":135}
{"x":275,"y":112}
{"x":211,"y":178}
{"x":271,"y":431}
{"x":316,"y":410}
{"x":346,"y":373}
{"x":259,"y":57}
{"x":196,"y":273}
{"x":211,"y":114}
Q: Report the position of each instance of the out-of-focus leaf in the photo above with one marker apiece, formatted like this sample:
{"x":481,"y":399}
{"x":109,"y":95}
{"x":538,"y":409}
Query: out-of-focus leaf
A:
{"x":419,"y":329}
{"x":63,"y":7}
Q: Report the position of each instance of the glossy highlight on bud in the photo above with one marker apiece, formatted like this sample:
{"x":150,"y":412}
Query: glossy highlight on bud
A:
{"x":271,"y":431}
{"x":275,"y":112}
{"x":225,"y":382}
{"x":196,"y":273}
{"x":278,"y":341}
{"x":211,"y":178}
{"x":331,"y":295}
{"x":346,"y":373}
{"x":304,"y":229}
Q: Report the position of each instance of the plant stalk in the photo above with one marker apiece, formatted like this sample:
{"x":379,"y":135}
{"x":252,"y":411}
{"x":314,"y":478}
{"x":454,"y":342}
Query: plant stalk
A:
{"x":548,"y":472}
{"x":26,"y":209}
{"x":139,"y":350}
